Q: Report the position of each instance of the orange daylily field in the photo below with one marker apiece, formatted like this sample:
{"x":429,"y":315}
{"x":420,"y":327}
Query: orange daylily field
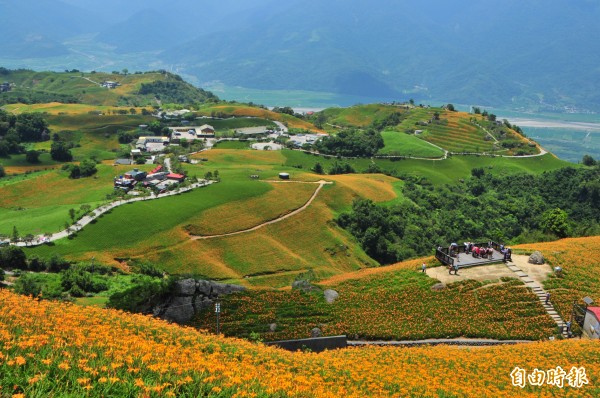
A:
{"x":57,"y":349}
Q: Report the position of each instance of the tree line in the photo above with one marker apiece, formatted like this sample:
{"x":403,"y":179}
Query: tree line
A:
{"x":511,"y":209}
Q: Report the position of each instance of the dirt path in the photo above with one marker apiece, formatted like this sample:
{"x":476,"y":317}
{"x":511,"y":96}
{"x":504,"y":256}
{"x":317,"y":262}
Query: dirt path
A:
{"x":276,"y":220}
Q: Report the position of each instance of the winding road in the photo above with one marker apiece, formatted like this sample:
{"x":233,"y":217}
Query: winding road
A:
{"x":94,"y":214}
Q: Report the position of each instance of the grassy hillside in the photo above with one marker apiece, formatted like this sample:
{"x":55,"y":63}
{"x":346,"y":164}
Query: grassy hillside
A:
{"x":233,"y":109}
{"x":139,"y":89}
{"x":74,"y":351}
{"x":281,"y":249}
{"x":271,"y":256}
{"x":402,"y":144}
{"x":40,"y":202}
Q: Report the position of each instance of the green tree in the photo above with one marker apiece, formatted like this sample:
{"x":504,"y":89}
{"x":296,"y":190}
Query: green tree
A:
{"x":28,"y":239}
{"x":30,"y":126}
{"x":2,"y":171}
{"x":588,"y":160}
{"x":13,"y":257}
{"x":28,"y":285}
{"x":556,"y":221}
{"x":60,"y":152}
{"x":478,"y":172}
{"x":15,"y":234}
{"x":87,"y":167}
{"x":72,"y":214}
{"x":32,"y":156}
{"x":318,"y":168}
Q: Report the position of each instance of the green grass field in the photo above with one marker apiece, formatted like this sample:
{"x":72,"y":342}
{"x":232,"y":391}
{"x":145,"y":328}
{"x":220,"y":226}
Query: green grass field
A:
{"x":40,"y":203}
{"x":402,"y":144}
{"x":20,"y":161}
{"x":233,"y":145}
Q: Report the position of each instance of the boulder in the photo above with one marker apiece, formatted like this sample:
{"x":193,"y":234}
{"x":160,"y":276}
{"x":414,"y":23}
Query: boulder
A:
{"x":303,"y":285}
{"x":203,"y":287}
{"x":179,"y":310}
{"x":184,"y":287}
{"x":536,"y":258}
{"x":272,"y":327}
{"x":220,"y":289}
{"x":330,"y":295}
{"x":438,"y":287}
{"x":316,"y":332}
{"x":190,"y":296}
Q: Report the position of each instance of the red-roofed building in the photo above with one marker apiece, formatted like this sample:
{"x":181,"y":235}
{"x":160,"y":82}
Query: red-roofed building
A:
{"x":176,"y":177}
{"x":591,"y":323}
{"x":157,"y":169}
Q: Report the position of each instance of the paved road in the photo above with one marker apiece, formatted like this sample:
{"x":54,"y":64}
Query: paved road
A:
{"x":281,"y":126}
{"x":456,"y":342}
{"x":82,"y":222}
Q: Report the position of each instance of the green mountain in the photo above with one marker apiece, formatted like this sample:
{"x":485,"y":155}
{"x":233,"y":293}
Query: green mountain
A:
{"x":138,"y":89}
{"x":535,"y":56}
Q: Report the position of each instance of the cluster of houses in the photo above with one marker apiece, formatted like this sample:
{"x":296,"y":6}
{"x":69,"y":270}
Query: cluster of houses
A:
{"x":151,"y":144}
{"x":5,"y":87}
{"x":157,"y":179}
{"x":191,"y":133}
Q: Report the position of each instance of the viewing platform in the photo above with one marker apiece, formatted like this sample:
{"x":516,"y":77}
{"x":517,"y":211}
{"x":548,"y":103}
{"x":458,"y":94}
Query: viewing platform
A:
{"x":465,"y":260}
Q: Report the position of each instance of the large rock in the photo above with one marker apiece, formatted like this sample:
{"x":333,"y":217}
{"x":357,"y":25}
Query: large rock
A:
{"x":438,"y":287}
{"x":185,"y":287}
{"x":179,"y":310}
{"x":316,"y":332}
{"x":330,"y":295}
{"x":303,"y":285}
{"x":189,"y":296}
{"x":536,"y":258}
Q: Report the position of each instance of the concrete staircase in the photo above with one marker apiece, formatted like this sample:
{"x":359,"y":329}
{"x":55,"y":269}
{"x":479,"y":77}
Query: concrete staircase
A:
{"x":541,"y":293}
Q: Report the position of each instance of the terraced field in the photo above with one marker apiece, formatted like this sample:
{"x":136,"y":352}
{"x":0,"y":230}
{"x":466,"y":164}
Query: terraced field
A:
{"x":452,"y":132}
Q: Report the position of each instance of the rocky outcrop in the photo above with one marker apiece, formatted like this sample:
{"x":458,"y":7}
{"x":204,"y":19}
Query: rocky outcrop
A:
{"x":304,"y":285}
{"x":536,"y":258}
{"x":189,"y":296}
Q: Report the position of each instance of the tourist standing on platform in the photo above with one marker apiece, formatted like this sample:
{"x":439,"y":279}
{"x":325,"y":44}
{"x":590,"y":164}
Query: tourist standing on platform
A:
{"x":424,"y":268}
